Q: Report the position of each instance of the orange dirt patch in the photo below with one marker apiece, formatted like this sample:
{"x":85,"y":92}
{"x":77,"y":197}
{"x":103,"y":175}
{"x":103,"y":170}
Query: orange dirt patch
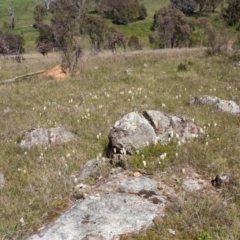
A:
{"x":57,"y":72}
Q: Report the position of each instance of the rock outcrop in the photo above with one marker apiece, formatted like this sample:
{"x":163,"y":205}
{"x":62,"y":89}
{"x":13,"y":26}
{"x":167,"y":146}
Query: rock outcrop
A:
{"x":137,"y":130}
{"x":171,"y":126}
{"x":48,"y":137}
{"x":123,"y":204}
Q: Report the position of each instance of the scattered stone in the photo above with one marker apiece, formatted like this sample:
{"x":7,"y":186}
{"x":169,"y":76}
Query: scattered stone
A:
{"x":203,"y":99}
{"x":157,"y":220}
{"x":7,"y":110}
{"x":192,"y":185}
{"x":222,"y":180}
{"x":226,"y":106}
{"x":43,"y":136}
{"x":128,"y":71}
{"x":81,"y":191}
{"x":2,"y":180}
{"x":137,"y":174}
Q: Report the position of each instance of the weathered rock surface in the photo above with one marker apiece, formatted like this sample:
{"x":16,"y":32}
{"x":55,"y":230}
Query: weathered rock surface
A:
{"x":135,"y":131}
{"x":168,"y":126}
{"x":2,"y":180}
{"x":43,"y":136}
{"x":131,"y":132}
{"x":123,"y":204}
{"x":227,"y":107}
{"x":91,"y":168}
{"x":203,"y":99}
{"x":222,"y":180}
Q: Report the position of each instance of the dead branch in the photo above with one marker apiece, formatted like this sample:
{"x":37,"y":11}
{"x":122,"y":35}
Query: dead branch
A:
{"x":20,"y":77}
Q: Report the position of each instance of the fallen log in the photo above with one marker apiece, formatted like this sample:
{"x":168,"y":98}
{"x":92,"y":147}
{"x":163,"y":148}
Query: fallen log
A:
{"x":21,"y":77}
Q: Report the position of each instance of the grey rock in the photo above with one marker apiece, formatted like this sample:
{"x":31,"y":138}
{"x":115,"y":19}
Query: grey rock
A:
{"x":192,"y":185}
{"x":121,"y":204}
{"x":227,"y":107}
{"x":130,"y":133}
{"x":127,"y":184}
{"x":2,"y":180}
{"x":222,"y":180}
{"x":91,"y":168}
{"x":168,"y":126}
{"x":102,"y":217}
{"x":203,"y":99}
{"x":43,"y":136}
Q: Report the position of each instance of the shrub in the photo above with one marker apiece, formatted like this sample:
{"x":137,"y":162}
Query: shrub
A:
{"x":182,"y":67}
{"x":11,"y":43}
{"x":134,"y":43}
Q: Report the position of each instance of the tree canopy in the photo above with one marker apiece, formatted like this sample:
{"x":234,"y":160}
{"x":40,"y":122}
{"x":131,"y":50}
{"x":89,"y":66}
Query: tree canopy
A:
{"x":171,"y":28}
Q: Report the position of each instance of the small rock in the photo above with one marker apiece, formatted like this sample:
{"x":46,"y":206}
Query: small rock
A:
{"x":203,"y":99}
{"x":2,"y":180}
{"x":91,"y":168}
{"x":227,"y":107}
{"x":157,"y":220}
{"x":137,"y":174}
{"x":192,"y":185}
{"x":221,"y":180}
{"x":171,"y":231}
{"x":43,"y":136}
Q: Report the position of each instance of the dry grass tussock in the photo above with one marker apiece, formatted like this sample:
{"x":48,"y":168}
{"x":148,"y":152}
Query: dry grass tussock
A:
{"x":38,"y":183}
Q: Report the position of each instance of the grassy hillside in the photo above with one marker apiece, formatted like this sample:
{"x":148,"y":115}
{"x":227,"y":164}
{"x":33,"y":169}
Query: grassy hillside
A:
{"x":24,"y":17}
{"x":38,"y":183}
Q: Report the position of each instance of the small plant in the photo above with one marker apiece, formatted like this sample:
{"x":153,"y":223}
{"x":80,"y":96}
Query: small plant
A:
{"x":182,"y":67}
{"x":153,"y":157}
{"x":203,"y":235}
{"x":134,"y":43}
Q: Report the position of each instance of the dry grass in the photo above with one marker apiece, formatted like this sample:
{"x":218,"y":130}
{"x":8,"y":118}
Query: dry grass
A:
{"x":38,"y":189}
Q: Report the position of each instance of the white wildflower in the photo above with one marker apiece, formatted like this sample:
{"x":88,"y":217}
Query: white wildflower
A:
{"x":163,"y":156}
{"x":144,"y":163}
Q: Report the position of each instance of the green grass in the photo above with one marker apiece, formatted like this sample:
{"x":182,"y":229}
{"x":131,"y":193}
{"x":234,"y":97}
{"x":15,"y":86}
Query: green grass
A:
{"x":24,"y":18}
{"x":38,"y":189}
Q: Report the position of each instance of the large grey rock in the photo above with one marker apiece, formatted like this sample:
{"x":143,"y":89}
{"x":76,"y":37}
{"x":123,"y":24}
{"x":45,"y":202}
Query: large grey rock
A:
{"x":122,"y":205}
{"x":167,"y":126}
{"x":227,"y":107}
{"x":131,"y":132}
{"x":2,"y":180}
{"x":203,"y":99}
{"x":43,"y":136}
{"x":134,"y":131}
